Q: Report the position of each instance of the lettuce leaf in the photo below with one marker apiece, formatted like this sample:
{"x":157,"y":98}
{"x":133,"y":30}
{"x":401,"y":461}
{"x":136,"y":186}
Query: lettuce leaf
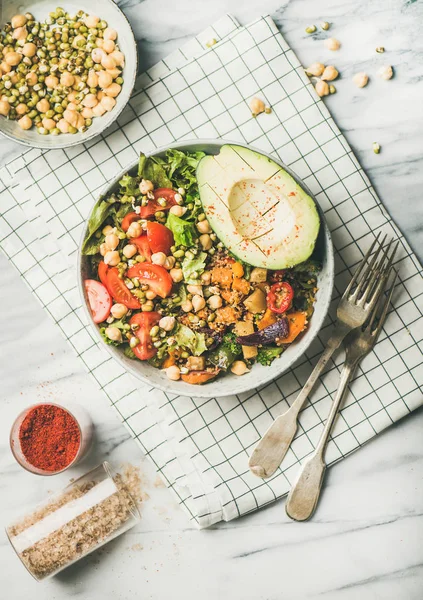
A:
{"x":153,"y":169}
{"x":186,"y":337}
{"x":192,"y":265}
{"x":130,"y":185}
{"x":183,"y":231}
{"x":99,"y":214}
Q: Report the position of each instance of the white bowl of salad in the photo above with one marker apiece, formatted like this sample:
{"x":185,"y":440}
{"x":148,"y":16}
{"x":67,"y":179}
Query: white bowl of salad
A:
{"x":206,"y":268}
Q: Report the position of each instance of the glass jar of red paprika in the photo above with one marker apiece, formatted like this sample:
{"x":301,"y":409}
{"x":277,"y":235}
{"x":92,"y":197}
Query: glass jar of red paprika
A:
{"x":47,"y":438}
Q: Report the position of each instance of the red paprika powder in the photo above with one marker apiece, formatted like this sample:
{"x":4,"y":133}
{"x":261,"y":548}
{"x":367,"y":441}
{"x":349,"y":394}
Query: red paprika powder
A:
{"x":49,"y":437}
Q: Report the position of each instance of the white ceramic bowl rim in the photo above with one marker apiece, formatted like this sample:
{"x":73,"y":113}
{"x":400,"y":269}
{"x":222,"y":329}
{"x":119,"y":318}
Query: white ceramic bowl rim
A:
{"x":228,"y":384}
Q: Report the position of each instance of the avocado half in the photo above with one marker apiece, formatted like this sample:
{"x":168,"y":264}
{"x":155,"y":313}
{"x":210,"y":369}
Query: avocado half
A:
{"x":257,"y":209}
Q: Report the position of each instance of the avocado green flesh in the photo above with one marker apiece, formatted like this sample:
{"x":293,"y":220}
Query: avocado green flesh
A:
{"x":257,"y":209}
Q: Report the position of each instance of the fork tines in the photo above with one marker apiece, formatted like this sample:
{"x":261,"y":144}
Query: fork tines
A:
{"x":371,"y":275}
{"x":380,"y":310}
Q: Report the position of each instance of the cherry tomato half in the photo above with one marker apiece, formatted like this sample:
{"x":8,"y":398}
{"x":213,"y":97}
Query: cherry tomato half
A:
{"x":153,"y":206}
{"x":118,"y":290}
{"x":99,"y":300}
{"x":102,"y":272}
{"x":128,"y":219}
{"x":159,"y":237}
{"x":146,"y":320}
{"x":279,"y":297}
{"x":143,"y":246}
{"x":155,"y":276}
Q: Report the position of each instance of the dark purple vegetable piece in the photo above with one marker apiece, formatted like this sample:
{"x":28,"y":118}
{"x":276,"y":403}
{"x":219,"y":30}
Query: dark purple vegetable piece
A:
{"x":266,"y":336}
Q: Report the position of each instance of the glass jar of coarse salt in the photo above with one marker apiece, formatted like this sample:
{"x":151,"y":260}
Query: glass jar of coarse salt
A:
{"x":85,"y":515}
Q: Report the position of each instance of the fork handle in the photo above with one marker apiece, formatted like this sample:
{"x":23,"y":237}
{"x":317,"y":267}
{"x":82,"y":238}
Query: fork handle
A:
{"x":271,"y":449}
{"x":304,"y":495}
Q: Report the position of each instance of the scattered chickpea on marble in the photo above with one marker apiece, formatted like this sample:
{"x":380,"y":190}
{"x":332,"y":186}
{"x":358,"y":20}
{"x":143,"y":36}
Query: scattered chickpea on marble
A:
{"x":58,"y":74}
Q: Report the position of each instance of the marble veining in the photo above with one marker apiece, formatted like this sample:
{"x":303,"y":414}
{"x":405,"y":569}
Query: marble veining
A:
{"x":365,"y":539}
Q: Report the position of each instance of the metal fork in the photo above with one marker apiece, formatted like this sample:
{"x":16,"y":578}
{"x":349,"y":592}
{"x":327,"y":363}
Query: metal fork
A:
{"x":304,"y":495}
{"x":357,"y":303}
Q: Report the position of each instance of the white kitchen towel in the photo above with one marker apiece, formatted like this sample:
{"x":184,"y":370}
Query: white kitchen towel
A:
{"x":201,"y":446}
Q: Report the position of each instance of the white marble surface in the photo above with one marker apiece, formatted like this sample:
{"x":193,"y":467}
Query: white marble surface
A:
{"x":365,"y":540}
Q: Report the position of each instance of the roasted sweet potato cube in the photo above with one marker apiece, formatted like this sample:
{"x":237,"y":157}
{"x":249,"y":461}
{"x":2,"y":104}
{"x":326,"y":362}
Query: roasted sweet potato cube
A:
{"x":226,"y":315}
{"x":222,"y":276}
{"x":241,"y":285}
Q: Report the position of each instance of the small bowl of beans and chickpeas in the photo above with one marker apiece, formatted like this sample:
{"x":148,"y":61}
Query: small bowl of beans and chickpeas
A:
{"x":66,"y":72}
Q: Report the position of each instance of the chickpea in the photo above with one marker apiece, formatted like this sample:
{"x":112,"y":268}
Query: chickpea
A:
{"x":90,"y":101}
{"x":49,"y":123}
{"x":31,"y":78}
{"x":63,"y":127}
{"x":150,"y":295}
{"x":205,"y":241}
{"x":71,"y":97}
{"x":87,"y":113}
{"x":147,"y":306}
{"x":176,"y":275}
{"x":108,"y":103}
{"x":205,"y":277}
{"x":67,"y":79}
{"x":98,"y":110}
{"x":104,"y":79}
{"x":198,"y":302}
{"x":129,"y":250}
{"x":14,"y":78}
{"x":5,"y":67}
{"x":72,"y":106}
{"x":73,"y":118}
{"x":92,"y":21}
{"x":239,"y":367}
{"x":51,"y":81}
{"x":99,"y":42}
{"x":29,"y":49}
{"x":177,"y":210}
{"x":97,"y":55}
{"x":13,"y":58}
{"x":169,"y":263}
{"x":109,"y":34}
{"x":114,"y":72}
{"x":167,"y":323}
{"x":118,"y":311}
{"x":186,"y":306}
{"x":108,"y":229}
{"x":173,"y":372}
{"x":21,"y":109}
{"x":92,"y":79}
{"x":146,"y":186}
{"x":113,"y":90}
{"x":43,"y":105}
{"x":118,"y":57}
{"x":107,"y":62}
{"x":18,"y":21}
{"x":20,"y":33}
{"x":103,"y":248}
{"x":100,"y":95}
{"x":108,"y":46}
{"x":112,"y":241}
{"x":214,"y":302}
{"x":4,"y":108}
{"x":204,"y":226}
{"x":25,"y":122}
{"x":134,"y":230}
{"x":112,"y":258}
{"x":113,"y":333}
{"x":158,"y":258}
{"x":195,"y":289}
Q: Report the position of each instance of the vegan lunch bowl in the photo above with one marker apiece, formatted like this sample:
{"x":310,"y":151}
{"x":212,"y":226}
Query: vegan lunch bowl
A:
{"x":65,"y":72}
{"x":206,"y":263}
